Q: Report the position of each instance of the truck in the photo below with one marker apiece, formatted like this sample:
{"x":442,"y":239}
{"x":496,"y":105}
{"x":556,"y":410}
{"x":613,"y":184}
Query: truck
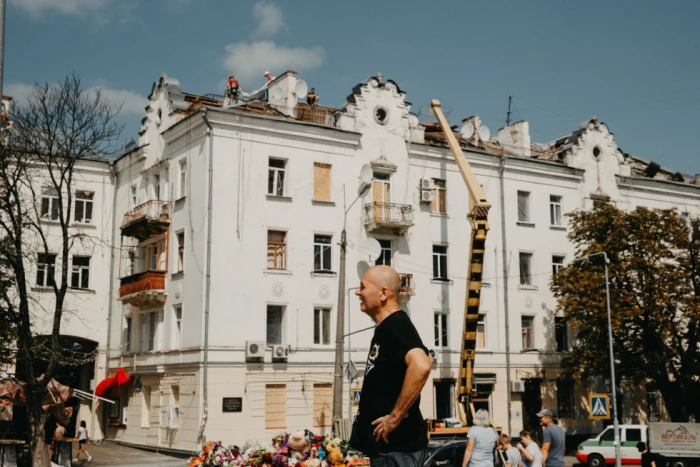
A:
{"x":679,"y":443}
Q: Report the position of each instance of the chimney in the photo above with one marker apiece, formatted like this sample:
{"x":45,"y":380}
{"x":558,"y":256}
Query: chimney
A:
{"x":516,"y":138}
{"x":281,"y":93}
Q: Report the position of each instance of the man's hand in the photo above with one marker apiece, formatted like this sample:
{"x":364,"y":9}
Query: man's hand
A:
{"x":385,"y":425}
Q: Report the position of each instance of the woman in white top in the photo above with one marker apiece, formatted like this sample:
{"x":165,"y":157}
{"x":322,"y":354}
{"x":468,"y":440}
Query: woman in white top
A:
{"x":481,"y":440}
{"x":532,"y":456}
{"x":83,"y":440}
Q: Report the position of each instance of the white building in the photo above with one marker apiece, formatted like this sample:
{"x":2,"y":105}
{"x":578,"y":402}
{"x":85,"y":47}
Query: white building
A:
{"x":232,"y":216}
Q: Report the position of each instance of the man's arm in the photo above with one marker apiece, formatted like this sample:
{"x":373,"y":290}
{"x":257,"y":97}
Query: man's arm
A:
{"x":526,"y":454}
{"x":545,"y":450}
{"x":418,"y":369}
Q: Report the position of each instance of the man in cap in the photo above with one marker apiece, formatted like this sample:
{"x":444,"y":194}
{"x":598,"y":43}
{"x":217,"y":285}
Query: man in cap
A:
{"x":268,"y":76}
{"x":553,"y":438}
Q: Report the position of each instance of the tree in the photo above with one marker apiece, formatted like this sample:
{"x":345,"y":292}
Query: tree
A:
{"x":60,"y":125}
{"x":654,"y":276}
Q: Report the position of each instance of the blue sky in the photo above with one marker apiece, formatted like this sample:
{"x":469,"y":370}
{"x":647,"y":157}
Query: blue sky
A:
{"x":633,"y":64}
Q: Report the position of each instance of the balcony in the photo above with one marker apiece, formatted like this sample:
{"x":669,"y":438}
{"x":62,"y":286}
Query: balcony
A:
{"x":143,"y":289}
{"x":146,"y":220}
{"x":388,"y":218}
{"x":407,"y":287}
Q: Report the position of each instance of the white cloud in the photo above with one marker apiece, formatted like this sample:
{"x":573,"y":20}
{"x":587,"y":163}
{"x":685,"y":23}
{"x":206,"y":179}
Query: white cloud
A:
{"x":132,"y":104}
{"x":73,"y":7}
{"x":249,"y":60}
{"x":269,"y":18}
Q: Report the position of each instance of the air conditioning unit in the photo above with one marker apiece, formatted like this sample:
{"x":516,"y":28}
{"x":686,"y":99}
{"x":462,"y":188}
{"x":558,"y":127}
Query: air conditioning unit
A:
{"x":426,"y":184}
{"x":517,"y":386}
{"x":280,"y":352}
{"x":254,"y":350}
{"x":125,"y":413}
{"x":427,"y":196}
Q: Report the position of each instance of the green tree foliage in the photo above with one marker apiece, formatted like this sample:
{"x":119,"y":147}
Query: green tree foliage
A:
{"x":654,"y":274}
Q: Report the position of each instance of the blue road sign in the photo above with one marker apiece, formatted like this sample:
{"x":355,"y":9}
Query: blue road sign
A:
{"x":599,"y":406}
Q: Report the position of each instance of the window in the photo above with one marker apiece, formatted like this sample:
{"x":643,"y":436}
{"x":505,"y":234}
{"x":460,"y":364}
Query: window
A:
{"x":127,"y":340}
{"x":481,"y":332}
{"x":80,"y":273}
{"x":133,"y":196}
{"x":385,"y":254}
{"x":154,"y":335}
{"x":45,"y":270}
{"x":633,"y":435}
{"x":525,"y":268}
{"x":275,"y":177}
{"x":180,"y":251}
{"x":528,"y":325}
{"x":177,"y":328}
{"x":608,"y":435}
{"x":275,"y":315}
{"x":183,"y":179}
{"x":322,"y":182}
{"x":440,"y":329}
{"x":555,"y":210}
{"x":438,"y":205}
{"x":276,"y":249}
{"x":322,"y":326}
{"x":131,"y":263}
{"x":155,"y":256}
{"x":561,"y":334}
{"x":143,"y":332}
{"x":523,"y":206}
{"x":145,"y":406}
{"x":275,"y":406}
{"x":156,"y":187}
{"x":565,"y":398}
{"x":323,"y":404}
{"x":322,"y":253}
{"x":49,"y":203}
{"x":83,"y":206}
{"x":439,"y":263}
{"x":557,"y":263}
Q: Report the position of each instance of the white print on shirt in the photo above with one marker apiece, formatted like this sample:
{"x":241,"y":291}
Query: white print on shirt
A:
{"x":373,"y":354}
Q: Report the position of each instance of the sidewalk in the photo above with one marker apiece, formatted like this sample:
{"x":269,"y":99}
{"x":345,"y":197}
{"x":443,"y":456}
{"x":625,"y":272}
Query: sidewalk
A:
{"x":113,"y":455}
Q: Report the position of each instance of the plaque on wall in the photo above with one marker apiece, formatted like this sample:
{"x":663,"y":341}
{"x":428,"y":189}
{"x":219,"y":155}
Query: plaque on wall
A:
{"x":232,"y":404}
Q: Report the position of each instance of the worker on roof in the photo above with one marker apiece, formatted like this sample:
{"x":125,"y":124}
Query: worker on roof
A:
{"x":232,"y":87}
{"x":312,"y":98}
{"x":268,"y":76}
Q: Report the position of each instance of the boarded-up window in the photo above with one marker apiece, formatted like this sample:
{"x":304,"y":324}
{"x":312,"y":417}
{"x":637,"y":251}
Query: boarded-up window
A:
{"x":322,"y":182}
{"x":438,"y":205}
{"x":275,"y":406}
{"x":323,"y":403}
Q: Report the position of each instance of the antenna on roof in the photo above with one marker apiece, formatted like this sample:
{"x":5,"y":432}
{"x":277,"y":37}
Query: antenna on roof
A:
{"x":510,"y":98}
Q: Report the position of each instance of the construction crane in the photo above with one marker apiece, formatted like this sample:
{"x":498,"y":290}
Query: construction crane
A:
{"x":478,"y":218}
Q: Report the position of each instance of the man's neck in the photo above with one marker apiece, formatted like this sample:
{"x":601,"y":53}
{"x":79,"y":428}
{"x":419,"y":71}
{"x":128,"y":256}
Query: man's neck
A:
{"x":385,"y":312}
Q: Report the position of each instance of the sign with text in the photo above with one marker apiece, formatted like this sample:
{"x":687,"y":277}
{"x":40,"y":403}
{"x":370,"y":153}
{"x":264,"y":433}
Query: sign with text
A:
{"x":232,"y":404}
{"x":599,"y":406}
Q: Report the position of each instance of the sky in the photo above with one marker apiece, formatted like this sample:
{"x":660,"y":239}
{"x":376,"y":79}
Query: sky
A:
{"x":633,"y":64}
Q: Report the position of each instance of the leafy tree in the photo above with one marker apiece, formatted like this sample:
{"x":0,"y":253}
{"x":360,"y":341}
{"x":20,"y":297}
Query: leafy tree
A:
{"x":60,"y":125}
{"x":654,"y":274}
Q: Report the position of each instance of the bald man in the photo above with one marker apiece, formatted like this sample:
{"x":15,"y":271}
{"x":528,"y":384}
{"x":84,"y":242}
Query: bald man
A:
{"x":389,"y":427}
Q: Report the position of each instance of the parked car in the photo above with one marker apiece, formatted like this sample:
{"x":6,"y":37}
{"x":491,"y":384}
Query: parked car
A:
{"x":445,"y":452}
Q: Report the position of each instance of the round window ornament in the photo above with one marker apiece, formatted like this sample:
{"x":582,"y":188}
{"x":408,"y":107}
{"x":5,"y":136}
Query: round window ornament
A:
{"x":597,"y":153}
{"x":381,"y":115}
{"x":178,"y":290}
{"x":277,"y":289}
{"x":324,"y":292}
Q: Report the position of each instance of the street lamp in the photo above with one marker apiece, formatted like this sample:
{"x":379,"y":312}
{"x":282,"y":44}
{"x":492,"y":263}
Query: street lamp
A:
{"x":616,"y":426}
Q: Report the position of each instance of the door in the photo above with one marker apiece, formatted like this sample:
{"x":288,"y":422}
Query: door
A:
{"x":532,"y":403}
{"x":381,"y":189}
{"x":629,"y":439}
{"x":444,"y":398}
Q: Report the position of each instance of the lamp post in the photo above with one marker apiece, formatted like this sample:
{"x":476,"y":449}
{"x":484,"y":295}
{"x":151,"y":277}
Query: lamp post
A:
{"x":340,"y":318}
{"x":616,"y":425}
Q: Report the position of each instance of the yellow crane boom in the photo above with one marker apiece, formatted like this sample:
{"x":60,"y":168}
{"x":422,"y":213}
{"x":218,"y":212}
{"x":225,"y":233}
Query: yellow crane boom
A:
{"x":478,"y":218}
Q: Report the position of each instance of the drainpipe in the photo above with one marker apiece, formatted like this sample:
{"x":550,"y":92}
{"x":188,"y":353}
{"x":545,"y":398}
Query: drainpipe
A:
{"x":110,"y":306}
{"x":501,"y":171}
{"x":205,"y":391}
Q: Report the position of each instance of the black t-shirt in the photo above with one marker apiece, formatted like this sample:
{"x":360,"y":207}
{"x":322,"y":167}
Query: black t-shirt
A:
{"x":384,"y":376}
{"x":649,"y":457}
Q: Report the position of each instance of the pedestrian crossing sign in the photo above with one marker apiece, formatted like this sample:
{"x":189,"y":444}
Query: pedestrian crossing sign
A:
{"x":599,"y":406}
{"x":356,"y":392}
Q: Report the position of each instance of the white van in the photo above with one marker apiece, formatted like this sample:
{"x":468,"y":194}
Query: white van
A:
{"x":598,"y":451}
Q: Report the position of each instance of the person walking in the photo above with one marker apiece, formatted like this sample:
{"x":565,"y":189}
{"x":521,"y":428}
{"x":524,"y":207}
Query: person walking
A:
{"x":532,"y":456}
{"x":513,"y":457}
{"x":389,"y":427}
{"x":649,"y":459}
{"x":83,"y":440}
{"x":481,"y":439}
{"x":553,"y":440}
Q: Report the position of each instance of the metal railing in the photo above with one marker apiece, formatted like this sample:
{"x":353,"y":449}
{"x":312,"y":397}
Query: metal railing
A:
{"x":154,"y":209}
{"x":389,"y":213}
{"x":141,"y":282}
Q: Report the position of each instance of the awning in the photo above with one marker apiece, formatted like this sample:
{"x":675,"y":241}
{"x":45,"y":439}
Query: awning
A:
{"x":117,"y":380}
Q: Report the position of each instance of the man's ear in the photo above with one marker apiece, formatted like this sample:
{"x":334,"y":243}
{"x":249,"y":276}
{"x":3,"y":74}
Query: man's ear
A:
{"x":383,"y":293}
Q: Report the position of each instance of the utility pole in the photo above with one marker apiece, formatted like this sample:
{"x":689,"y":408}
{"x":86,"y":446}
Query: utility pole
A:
{"x":510,"y":98}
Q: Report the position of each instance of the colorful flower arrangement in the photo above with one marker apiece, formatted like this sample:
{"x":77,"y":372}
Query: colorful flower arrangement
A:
{"x":302,"y":449}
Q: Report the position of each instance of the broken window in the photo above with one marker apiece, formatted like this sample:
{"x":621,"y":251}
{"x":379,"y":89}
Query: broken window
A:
{"x":525,"y":268}
{"x":275,"y":177}
{"x":523,"y":206}
{"x":439,"y":203}
{"x":440,"y":329}
{"x":83,"y":206}
{"x":49,"y":203}
{"x":322,"y":182}
{"x":275,"y":315}
{"x":276,"y":249}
